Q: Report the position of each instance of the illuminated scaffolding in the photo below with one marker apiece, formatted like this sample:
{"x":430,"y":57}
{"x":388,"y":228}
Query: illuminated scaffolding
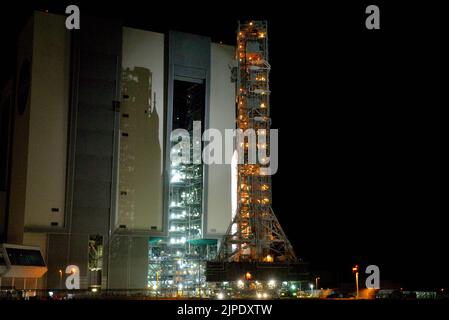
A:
{"x":255,"y":245}
{"x":177,"y":262}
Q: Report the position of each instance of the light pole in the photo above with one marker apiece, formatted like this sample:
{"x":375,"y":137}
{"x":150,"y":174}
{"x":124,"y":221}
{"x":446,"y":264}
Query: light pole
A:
{"x":311,"y":289}
{"x":355,"y":270}
{"x":157,"y":281}
{"x":60,"y":279}
{"x":316,"y":282}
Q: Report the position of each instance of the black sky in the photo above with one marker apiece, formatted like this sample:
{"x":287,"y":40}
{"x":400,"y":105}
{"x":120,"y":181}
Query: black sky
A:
{"x":363,"y":168}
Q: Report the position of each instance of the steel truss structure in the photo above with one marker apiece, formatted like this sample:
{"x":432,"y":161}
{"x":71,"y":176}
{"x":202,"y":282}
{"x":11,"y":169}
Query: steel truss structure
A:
{"x":255,"y":240}
{"x":177,"y":262}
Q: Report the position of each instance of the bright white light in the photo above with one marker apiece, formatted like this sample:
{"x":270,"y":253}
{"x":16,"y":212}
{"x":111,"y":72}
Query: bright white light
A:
{"x":172,"y":240}
{"x":311,"y":286}
{"x":50,"y":294}
{"x":234,"y":194}
{"x":220,"y":296}
{"x":173,"y":204}
{"x":154,"y":286}
{"x":176,"y":178}
{"x":94,"y":290}
{"x":293,"y":287}
{"x":259,"y":295}
{"x":265,"y":295}
{"x":240,"y":284}
{"x":234,"y":185}
{"x":271,"y":283}
{"x":183,"y":239}
{"x":180,"y":286}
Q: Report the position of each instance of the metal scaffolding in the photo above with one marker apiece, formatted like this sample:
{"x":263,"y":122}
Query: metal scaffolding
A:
{"x":177,"y":262}
{"x":255,"y":235}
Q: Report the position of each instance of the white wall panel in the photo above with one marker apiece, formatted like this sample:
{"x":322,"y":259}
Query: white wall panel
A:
{"x":222,"y":116}
{"x":47,"y":142}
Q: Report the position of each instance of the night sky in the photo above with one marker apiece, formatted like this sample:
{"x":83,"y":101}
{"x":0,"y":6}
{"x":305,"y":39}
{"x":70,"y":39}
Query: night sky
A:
{"x":363,"y":135}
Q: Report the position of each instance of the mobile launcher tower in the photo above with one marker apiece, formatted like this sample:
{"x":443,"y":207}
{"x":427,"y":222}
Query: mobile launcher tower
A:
{"x":255,"y":248}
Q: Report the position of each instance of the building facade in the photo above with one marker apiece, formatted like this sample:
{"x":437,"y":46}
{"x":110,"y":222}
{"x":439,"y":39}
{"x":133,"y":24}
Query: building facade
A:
{"x":88,"y":175}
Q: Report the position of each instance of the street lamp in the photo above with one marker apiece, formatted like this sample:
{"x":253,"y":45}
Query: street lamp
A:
{"x":60,"y":279}
{"x":355,"y":270}
{"x":311,"y":289}
{"x":316,"y":282}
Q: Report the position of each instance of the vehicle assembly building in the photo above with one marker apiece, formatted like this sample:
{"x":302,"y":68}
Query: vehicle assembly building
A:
{"x":88,"y":177}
